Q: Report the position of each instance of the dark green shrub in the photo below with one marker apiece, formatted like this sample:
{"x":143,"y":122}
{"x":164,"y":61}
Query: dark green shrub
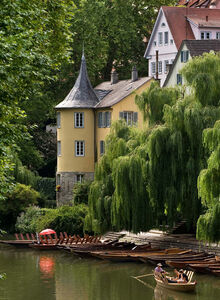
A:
{"x":27,"y":221}
{"x":81,"y":192}
{"x":66,"y":218}
{"x":17,"y":201}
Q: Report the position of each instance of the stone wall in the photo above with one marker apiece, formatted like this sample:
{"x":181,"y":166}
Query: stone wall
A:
{"x":66,"y":180}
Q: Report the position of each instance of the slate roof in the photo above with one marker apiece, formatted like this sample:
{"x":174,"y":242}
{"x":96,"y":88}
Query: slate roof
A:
{"x":82,"y":94}
{"x":196,"y":48}
{"x":118,"y":91}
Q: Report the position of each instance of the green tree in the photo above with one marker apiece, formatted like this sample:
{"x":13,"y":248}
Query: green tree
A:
{"x":208,"y":226}
{"x":34,"y":39}
{"x":113,"y":33}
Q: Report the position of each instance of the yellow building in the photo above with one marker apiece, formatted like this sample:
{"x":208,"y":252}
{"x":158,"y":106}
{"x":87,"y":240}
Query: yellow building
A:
{"x":84,"y":118}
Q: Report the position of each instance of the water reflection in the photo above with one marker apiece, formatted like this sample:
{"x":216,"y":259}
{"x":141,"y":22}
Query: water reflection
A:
{"x":60,"y":276}
{"x":165,"y":294}
{"x":46,"y":265}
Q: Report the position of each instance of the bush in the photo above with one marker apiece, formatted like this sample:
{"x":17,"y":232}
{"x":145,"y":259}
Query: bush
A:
{"x":66,"y":218}
{"x":81,"y":192}
{"x":27,"y":222}
{"x":17,"y":201}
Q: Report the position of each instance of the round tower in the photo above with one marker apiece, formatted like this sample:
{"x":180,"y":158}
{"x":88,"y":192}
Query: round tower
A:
{"x":76,"y":153}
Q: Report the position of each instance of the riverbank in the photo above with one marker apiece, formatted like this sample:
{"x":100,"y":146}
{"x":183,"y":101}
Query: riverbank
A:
{"x":163,"y":240}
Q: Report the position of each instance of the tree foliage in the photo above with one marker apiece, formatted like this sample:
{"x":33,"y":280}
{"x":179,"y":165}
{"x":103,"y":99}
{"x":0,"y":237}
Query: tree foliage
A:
{"x":34,"y":39}
{"x":147,"y":178}
{"x":113,"y":33}
{"x":208,"y":227}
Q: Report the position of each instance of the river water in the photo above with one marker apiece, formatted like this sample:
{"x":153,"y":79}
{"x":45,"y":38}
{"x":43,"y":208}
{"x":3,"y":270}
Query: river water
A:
{"x":35,"y":275}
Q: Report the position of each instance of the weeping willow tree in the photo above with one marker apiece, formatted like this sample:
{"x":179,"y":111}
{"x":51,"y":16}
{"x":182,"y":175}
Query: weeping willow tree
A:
{"x":118,"y":197}
{"x":147,"y":178}
{"x":208,"y":228}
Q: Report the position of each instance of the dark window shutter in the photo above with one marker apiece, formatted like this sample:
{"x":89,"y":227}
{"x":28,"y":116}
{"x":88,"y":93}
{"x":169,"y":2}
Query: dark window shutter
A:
{"x":135,"y":117}
{"x":110,"y":118}
{"x":182,"y":56}
{"x":99,"y":119}
{"x":187,"y":56}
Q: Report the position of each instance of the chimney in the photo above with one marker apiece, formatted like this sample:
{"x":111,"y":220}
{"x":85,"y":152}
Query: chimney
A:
{"x":134,"y":74}
{"x":114,"y":76}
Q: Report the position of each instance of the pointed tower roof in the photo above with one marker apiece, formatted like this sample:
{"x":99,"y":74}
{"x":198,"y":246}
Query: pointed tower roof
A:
{"x":82,"y":94}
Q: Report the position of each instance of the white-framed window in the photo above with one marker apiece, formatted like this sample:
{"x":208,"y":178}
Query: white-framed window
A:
{"x":104,"y":119}
{"x":130,"y":117}
{"x":79,"y":120}
{"x":205,"y":35}
{"x":79,"y":178}
{"x":160,"y":38}
{"x":58,"y":148}
{"x":58,"y":120}
{"x":153,"y":68}
{"x":160,"y":67}
{"x":166,"y":63}
{"x":217,"y":35}
{"x":179,"y":79}
{"x":102,"y":147}
{"x":166,"y":38}
{"x":79,"y":148}
{"x":184,"y":56}
{"x":171,"y":41}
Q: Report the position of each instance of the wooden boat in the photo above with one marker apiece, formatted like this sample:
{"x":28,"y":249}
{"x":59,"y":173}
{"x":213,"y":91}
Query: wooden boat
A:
{"x":16,"y":243}
{"x":215,"y":272}
{"x":43,"y":246}
{"x":179,"y":256}
{"x":180,"y":287}
{"x":182,"y":264}
{"x":125,"y":256}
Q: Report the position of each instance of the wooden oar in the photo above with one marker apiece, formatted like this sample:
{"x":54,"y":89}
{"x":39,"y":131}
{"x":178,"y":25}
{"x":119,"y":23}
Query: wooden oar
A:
{"x":142,"y":276}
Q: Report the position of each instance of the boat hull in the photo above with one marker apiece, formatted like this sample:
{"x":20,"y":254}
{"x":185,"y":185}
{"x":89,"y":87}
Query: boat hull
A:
{"x":180,"y":287}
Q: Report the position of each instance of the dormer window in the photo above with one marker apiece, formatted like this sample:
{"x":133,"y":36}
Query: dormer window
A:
{"x":205,"y":35}
{"x":163,"y":25}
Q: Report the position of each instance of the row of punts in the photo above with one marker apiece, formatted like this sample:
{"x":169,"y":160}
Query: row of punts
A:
{"x":116,"y":251}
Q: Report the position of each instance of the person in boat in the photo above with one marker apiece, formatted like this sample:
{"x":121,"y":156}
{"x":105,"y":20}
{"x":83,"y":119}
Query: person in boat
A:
{"x":159,"y":272}
{"x":159,"y":269}
{"x":182,"y":278}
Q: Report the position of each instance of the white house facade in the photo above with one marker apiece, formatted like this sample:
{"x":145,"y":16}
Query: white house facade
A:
{"x":188,"y":50}
{"x":173,"y":25}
